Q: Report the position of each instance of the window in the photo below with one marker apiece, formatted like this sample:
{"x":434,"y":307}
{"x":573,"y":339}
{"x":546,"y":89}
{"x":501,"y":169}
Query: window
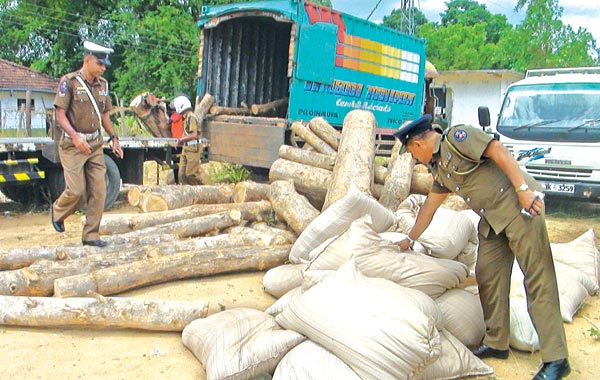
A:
{"x":22,"y":102}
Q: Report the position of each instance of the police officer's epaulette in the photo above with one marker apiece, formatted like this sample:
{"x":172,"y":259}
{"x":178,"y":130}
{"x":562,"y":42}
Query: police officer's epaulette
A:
{"x":70,"y":76}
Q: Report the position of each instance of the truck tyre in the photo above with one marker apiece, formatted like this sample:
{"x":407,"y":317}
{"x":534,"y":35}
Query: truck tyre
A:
{"x":56,"y":182}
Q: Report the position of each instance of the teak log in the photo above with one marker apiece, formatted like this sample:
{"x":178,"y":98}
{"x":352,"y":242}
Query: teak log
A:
{"x":379,"y":174}
{"x":309,"y":181}
{"x":273,"y":108}
{"x":397,"y":183}
{"x":292,"y":207}
{"x":318,"y":160}
{"x":355,"y":157}
{"x":248,"y":191}
{"x":199,"y":263}
{"x":320,"y":127}
{"x":239,"y":111}
{"x":187,"y":227}
{"x":121,"y":223}
{"x":169,"y":197}
{"x":201,"y":110}
{"x":16,"y":258}
{"x":38,"y":278}
{"x":421,"y":183}
{"x":118,"y":312}
{"x":281,"y":234}
{"x":311,"y":139}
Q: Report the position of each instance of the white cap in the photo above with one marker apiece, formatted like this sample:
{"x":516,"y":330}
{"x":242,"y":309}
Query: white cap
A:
{"x":98,"y":51}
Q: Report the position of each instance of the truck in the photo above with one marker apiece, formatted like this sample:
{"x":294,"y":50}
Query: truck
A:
{"x":324,"y":62}
{"x":550,"y":121}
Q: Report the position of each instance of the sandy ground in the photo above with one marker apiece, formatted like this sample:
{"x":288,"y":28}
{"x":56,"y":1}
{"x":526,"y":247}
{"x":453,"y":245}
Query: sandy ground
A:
{"x":105,"y":354}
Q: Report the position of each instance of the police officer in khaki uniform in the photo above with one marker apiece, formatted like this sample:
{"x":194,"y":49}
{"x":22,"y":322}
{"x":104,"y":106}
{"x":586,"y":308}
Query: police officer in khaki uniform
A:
{"x":82,"y":104}
{"x":470,"y":163}
{"x":189,"y":163}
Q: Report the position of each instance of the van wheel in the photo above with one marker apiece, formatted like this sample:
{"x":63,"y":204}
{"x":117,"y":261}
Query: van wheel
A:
{"x":56,"y":182}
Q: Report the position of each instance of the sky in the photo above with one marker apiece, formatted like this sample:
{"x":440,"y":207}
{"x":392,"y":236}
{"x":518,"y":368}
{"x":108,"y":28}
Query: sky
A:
{"x":577,"y":13}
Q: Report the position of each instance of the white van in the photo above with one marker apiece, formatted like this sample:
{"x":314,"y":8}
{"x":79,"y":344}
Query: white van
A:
{"x":550,"y":121}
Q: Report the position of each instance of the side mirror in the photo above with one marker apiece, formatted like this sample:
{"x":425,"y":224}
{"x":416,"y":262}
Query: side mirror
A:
{"x":484,"y":116}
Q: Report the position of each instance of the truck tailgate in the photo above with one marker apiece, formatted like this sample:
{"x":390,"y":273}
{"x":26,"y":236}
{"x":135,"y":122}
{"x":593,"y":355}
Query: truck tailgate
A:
{"x":245,"y":140}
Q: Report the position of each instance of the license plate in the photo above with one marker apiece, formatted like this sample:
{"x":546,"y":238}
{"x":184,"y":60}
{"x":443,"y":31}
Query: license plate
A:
{"x":559,"y":187}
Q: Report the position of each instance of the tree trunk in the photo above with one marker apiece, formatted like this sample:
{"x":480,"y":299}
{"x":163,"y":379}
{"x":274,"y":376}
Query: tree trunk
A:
{"x":248,"y":191}
{"x":286,"y":236}
{"x":175,"y":267}
{"x":309,"y":181}
{"x":201,"y":110}
{"x":238,"y":111}
{"x":421,"y":183}
{"x":183,"y":228}
{"x":118,"y":312}
{"x":325,"y":132}
{"x":305,"y":157}
{"x":355,"y":158}
{"x":311,"y":139}
{"x":274,"y":108}
{"x":397,"y":183}
{"x":162,"y":198}
{"x":292,"y":207}
{"x":376,"y":190}
{"x":379,"y":174}
{"x":21,"y":257}
{"x":122,"y":223}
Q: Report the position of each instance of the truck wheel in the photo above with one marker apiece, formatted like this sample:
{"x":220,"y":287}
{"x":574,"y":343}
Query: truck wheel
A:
{"x":56,"y":182}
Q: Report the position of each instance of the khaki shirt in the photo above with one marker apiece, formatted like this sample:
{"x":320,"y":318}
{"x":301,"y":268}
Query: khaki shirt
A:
{"x":72,"y":97}
{"x":486,"y":189}
{"x":190,"y":125}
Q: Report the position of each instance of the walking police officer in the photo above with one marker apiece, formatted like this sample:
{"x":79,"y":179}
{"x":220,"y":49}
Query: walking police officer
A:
{"x":82,"y":104}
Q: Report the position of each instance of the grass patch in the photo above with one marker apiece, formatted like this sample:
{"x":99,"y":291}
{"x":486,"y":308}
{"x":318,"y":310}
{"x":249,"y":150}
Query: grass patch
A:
{"x":565,"y":208}
{"x":229,"y":173}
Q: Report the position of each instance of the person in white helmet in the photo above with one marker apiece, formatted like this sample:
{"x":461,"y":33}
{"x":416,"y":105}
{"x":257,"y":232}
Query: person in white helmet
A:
{"x":189,"y":163}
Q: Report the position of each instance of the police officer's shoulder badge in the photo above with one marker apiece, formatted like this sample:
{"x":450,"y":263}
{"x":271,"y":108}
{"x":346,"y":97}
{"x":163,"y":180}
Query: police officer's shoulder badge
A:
{"x":460,"y":135}
{"x":63,"y":87}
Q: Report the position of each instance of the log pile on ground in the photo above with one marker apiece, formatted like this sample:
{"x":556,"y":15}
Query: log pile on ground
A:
{"x":323,"y":229}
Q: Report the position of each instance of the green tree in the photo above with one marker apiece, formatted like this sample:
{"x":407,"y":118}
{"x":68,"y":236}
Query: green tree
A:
{"x":543,"y":41}
{"x":469,"y":13}
{"x":397,"y":19}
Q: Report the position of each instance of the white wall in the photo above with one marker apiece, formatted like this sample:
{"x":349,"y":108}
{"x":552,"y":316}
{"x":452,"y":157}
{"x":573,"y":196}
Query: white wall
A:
{"x":10,"y":118}
{"x":467,"y":90}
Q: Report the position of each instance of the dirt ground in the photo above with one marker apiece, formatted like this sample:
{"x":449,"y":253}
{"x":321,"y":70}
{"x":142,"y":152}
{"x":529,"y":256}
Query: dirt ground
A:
{"x":106,"y":354}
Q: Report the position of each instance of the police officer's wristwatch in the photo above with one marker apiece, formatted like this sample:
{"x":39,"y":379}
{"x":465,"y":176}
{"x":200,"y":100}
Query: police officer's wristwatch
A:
{"x":523,"y":187}
{"x":114,"y":137}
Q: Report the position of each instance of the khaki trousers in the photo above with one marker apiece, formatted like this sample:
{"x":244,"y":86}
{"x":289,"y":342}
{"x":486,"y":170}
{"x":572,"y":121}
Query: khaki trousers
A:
{"x":527,"y":240}
{"x":189,"y":165}
{"x":84,"y":180}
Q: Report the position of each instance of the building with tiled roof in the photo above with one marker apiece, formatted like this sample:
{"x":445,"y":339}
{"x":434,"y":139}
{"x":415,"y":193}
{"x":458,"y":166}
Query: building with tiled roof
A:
{"x":15,"y":82}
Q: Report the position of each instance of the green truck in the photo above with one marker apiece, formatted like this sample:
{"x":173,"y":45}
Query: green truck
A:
{"x":324,"y":62}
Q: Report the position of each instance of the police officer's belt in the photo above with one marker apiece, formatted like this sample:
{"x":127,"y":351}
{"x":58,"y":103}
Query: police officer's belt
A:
{"x":85,"y":136}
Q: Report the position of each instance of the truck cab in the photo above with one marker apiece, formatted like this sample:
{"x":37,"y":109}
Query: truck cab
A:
{"x":550,"y":121}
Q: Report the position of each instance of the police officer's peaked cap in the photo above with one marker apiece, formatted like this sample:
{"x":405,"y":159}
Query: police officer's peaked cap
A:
{"x":98,"y":51}
{"x":413,"y":128}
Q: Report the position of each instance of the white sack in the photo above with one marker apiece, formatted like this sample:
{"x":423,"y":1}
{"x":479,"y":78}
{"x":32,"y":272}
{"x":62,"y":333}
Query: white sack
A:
{"x":310,"y":361}
{"x":378,"y":257}
{"x":369,"y":323}
{"x":336,"y":219}
{"x":580,"y":253}
{"x":238,"y":344}
{"x":523,"y":336}
{"x":279,"y":280}
{"x":455,"y":362}
{"x":284,"y":301}
{"x":463,"y":316}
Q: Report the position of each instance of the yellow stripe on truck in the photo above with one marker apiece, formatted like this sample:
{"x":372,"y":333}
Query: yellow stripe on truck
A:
{"x":21,"y":177}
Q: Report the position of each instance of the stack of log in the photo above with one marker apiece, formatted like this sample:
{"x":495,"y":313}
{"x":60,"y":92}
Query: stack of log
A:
{"x":195,"y":231}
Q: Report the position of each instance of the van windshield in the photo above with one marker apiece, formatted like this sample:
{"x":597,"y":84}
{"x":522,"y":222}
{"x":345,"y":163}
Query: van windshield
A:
{"x":565,"y":112}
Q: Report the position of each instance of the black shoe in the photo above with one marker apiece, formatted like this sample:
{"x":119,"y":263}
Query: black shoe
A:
{"x":95,"y":243}
{"x":553,"y":370}
{"x":58,"y":226}
{"x":488,"y":352}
